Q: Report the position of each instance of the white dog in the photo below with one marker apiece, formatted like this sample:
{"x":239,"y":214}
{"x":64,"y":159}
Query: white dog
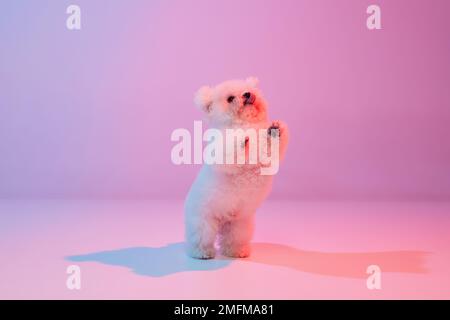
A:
{"x":224,"y":197}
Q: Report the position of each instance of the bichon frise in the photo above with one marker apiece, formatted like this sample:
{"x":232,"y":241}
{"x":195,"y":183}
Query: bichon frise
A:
{"x":224,"y":197}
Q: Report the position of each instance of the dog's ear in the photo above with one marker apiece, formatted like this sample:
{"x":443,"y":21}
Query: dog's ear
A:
{"x":253,"y":81}
{"x":203,"y":99}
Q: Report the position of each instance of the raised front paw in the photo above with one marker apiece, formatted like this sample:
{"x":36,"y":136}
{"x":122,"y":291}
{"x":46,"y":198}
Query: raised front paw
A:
{"x":276,"y":129}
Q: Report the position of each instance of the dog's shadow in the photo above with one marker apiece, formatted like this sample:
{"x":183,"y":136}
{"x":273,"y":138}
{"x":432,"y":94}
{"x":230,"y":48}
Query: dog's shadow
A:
{"x":153,"y":262}
{"x":170,"y":259}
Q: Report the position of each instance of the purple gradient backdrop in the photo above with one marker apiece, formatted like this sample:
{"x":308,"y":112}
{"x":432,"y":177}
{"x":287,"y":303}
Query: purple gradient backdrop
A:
{"x":89,"y":113}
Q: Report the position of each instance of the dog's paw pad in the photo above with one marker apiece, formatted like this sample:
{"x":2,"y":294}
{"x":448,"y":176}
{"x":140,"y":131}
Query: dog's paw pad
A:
{"x":274,"y":130}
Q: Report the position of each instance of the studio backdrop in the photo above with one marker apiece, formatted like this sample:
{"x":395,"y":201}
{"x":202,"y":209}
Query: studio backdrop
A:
{"x":89,"y":113}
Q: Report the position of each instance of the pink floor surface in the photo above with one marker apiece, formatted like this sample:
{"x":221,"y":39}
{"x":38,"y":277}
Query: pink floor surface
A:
{"x":301,"y":250}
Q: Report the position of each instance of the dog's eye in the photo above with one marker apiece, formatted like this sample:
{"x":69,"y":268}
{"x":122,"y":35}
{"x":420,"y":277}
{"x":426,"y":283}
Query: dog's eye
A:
{"x":230,"y":99}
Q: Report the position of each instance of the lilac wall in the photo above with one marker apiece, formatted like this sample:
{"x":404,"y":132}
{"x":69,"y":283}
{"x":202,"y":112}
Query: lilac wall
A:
{"x":89,"y":113}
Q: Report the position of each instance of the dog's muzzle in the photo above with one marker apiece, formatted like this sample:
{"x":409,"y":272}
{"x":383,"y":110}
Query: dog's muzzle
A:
{"x":249,"y":98}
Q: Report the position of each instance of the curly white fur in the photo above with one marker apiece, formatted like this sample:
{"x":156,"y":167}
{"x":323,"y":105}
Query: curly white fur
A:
{"x":223,"y":199}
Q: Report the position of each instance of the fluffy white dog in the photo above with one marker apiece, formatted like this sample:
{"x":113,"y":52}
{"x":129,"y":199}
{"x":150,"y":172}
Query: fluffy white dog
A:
{"x":223,"y":199}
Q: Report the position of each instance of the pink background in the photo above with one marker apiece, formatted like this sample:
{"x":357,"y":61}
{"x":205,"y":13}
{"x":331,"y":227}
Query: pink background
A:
{"x":89,"y":113}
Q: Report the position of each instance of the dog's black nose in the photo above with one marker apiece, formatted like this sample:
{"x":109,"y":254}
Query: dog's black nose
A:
{"x":247,"y":95}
